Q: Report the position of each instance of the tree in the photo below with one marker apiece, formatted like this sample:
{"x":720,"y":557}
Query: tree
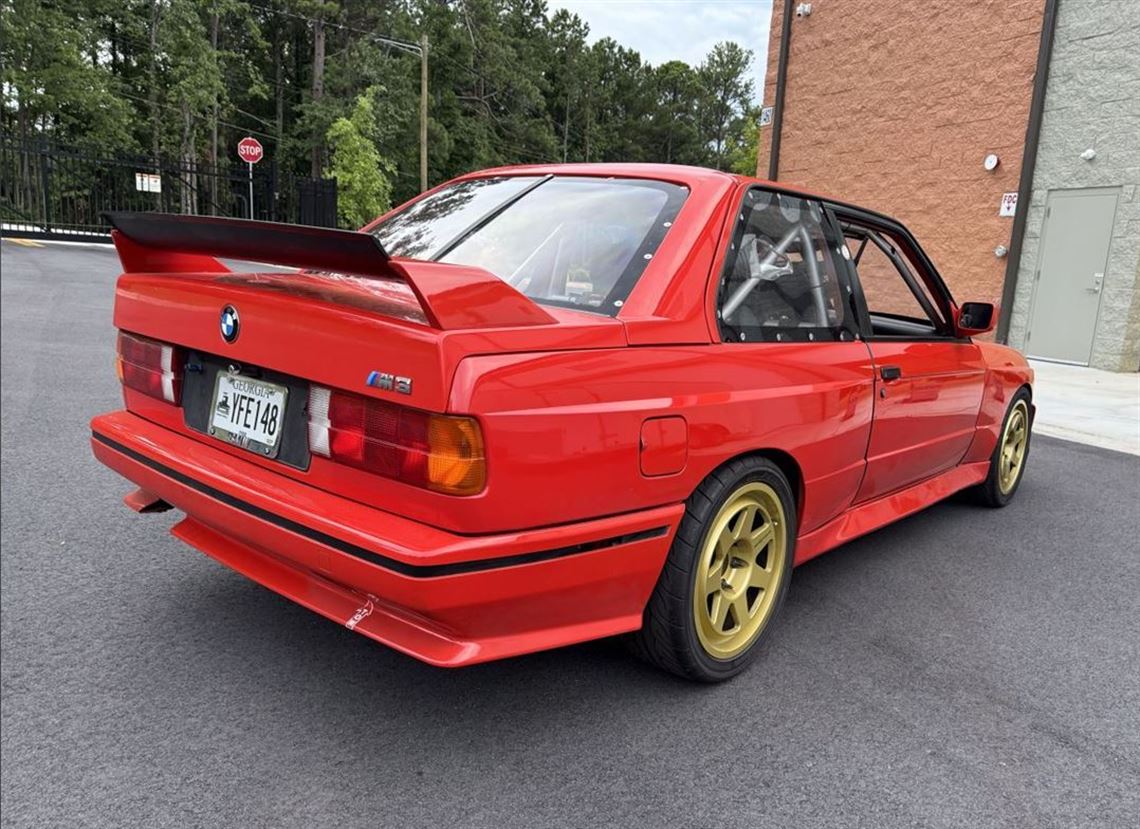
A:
{"x":363,"y":176}
{"x":744,"y":144}
{"x":193,"y":83}
{"x":53,"y":79}
{"x":676,"y":137}
{"x":511,"y":81}
{"x":565,"y":68}
{"x":727,"y":94}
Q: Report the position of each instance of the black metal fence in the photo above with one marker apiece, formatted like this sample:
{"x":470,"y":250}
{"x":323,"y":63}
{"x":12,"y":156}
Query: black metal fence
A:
{"x":52,"y":191}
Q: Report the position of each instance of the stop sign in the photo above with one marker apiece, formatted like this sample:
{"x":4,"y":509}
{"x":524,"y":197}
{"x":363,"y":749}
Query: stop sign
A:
{"x":250,"y":150}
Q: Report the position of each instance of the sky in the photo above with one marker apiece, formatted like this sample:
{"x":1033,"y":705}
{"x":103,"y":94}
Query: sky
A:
{"x":663,"y":30}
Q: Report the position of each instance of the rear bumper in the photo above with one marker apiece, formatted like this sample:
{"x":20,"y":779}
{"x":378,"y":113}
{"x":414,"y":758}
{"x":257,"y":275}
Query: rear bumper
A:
{"x":443,"y":598}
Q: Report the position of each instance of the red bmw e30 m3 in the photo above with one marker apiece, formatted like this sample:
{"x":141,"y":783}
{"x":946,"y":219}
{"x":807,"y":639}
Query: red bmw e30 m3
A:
{"x":541,"y":405}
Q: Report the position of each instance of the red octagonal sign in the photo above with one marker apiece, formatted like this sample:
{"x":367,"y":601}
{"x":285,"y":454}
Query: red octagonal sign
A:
{"x":250,"y":150}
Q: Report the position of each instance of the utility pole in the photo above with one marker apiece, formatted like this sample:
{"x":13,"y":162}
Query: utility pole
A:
{"x":566,"y":130}
{"x":318,"y":89}
{"x":420,"y":49}
{"x":423,"y":112}
{"x":214,"y":21}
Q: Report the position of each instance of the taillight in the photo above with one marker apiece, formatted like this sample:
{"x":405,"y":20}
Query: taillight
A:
{"x":150,"y":366}
{"x":440,"y":452}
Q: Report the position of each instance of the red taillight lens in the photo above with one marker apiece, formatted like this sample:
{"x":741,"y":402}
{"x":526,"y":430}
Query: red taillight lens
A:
{"x":440,"y":452}
{"x":150,"y":366}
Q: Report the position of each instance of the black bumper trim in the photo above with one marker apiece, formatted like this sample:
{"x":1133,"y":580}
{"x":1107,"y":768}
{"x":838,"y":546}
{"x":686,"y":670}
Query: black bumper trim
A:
{"x":419,"y":571}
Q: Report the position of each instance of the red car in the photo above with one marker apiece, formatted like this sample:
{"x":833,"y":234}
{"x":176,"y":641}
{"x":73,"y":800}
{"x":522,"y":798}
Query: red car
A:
{"x":541,"y":405}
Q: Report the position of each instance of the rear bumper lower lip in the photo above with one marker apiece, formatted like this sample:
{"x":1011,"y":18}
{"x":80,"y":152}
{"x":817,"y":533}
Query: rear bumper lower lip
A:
{"x":419,"y":571}
{"x":444,"y":598}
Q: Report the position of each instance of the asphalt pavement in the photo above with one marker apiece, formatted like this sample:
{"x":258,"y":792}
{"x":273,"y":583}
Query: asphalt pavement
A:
{"x":964,"y":667}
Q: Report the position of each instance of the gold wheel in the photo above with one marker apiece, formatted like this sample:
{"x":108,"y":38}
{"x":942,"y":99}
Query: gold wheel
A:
{"x":739,"y":570}
{"x":1014,"y":442}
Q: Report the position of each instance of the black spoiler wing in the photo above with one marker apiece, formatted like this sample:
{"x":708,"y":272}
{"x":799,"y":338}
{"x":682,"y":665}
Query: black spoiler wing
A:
{"x":452,"y":296}
{"x":299,"y":246}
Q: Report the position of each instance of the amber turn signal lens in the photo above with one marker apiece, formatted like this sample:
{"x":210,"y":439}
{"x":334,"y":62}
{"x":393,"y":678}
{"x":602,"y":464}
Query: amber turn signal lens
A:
{"x":440,"y":452}
{"x":455,"y":455}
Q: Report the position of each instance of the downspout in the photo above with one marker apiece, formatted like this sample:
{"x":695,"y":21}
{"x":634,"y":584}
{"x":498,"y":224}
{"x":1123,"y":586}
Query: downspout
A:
{"x":1028,"y":162}
{"x":781,"y":85}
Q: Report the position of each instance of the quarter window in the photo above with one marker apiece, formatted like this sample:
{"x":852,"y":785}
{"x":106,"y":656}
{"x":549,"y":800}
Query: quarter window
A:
{"x":781,"y":281}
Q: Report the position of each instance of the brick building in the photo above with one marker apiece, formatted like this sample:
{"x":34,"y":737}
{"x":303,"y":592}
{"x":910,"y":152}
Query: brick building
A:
{"x":898,"y":105}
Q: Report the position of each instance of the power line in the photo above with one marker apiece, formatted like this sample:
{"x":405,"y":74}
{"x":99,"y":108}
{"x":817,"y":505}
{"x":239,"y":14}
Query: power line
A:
{"x":139,"y":43}
{"x":405,"y":45}
{"x":195,"y":115}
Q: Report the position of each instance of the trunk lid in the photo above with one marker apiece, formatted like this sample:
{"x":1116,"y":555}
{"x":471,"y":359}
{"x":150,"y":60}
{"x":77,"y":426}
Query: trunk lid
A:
{"x":334,"y":330}
{"x":362,"y":315}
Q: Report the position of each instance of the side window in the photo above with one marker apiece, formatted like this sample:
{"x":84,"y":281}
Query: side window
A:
{"x":898,"y":303}
{"x":780,"y":280}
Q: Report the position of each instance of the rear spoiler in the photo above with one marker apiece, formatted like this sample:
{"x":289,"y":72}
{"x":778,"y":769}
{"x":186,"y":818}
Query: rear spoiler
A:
{"x":452,"y":296}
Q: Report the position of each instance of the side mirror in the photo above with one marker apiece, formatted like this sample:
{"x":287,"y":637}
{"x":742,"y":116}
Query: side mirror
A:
{"x":975,"y":318}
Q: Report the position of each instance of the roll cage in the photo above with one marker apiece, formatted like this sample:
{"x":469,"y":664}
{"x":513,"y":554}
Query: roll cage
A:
{"x":889,"y":235}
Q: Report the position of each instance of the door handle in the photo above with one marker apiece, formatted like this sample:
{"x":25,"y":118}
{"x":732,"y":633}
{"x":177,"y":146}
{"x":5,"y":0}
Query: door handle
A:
{"x":1098,"y":281}
{"x":890,"y":372}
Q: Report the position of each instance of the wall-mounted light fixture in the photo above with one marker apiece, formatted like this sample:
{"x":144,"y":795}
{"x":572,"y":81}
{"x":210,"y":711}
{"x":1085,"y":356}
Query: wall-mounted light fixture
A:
{"x":1001,"y":251}
{"x":1089,"y":154}
{"x":803,"y":10}
{"x":991,"y":162}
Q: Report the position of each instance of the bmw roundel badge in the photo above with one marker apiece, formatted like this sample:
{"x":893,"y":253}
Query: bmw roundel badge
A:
{"x":230,"y":324}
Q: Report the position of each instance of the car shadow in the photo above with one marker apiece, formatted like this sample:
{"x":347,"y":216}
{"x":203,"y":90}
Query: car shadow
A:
{"x":245,"y":639}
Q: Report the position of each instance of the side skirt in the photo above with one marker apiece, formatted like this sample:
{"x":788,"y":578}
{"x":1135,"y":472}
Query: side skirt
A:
{"x":872,"y":515}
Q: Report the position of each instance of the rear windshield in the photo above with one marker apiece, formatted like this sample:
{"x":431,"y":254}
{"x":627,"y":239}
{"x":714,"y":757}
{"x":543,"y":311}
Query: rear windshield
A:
{"x":561,"y":240}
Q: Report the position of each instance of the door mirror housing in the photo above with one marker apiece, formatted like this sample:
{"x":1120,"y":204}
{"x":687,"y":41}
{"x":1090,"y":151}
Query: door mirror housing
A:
{"x":975,"y":318}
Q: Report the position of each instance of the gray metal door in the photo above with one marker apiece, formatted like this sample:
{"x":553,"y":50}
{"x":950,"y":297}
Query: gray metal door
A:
{"x":1070,"y":274}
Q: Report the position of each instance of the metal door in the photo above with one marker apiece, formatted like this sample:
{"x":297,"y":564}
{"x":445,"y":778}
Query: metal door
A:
{"x":1069,"y":277}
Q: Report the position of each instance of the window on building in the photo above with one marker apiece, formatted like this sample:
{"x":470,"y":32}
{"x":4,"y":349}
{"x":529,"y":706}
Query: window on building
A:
{"x":780,"y":280}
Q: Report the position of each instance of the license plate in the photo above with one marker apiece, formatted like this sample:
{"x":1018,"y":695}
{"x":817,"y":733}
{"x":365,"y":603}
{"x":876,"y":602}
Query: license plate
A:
{"x":248,"y":413}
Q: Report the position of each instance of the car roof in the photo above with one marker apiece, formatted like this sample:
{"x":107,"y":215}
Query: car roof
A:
{"x":677,"y":173}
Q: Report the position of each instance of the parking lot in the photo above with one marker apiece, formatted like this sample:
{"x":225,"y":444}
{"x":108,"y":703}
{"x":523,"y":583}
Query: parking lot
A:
{"x":962,"y":667}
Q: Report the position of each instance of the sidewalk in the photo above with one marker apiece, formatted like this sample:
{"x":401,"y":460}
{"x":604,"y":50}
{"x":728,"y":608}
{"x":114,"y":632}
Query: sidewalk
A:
{"x":1088,"y":405}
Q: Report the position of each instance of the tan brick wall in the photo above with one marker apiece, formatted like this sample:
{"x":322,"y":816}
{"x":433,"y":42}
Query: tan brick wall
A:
{"x":893,"y":105}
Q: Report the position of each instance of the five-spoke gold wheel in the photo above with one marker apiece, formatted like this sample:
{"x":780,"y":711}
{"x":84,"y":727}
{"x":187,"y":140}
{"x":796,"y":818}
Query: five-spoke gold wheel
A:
{"x":739,"y":570}
{"x":1014,"y":442}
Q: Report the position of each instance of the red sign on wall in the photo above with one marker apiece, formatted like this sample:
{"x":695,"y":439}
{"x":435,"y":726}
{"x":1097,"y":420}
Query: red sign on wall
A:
{"x":250,"y":150}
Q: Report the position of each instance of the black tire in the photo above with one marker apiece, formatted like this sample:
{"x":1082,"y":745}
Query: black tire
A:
{"x":668,"y":637}
{"x":989,"y":492}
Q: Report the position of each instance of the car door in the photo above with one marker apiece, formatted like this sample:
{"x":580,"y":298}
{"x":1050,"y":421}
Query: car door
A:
{"x":801,"y":377}
{"x":928,"y":382}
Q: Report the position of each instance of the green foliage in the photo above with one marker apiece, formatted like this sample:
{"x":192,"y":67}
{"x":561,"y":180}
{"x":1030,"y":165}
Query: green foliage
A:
{"x":511,"y":81}
{"x":51,"y":80}
{"x":744,"y":149}
{"x":364,"y":186}
{"x":727,"y":94}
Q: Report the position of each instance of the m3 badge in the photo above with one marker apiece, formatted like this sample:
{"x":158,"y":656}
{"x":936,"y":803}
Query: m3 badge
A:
{"x":389,"y":382}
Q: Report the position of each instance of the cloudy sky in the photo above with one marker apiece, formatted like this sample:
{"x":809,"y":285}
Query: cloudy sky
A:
{"x":685,"y":30}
